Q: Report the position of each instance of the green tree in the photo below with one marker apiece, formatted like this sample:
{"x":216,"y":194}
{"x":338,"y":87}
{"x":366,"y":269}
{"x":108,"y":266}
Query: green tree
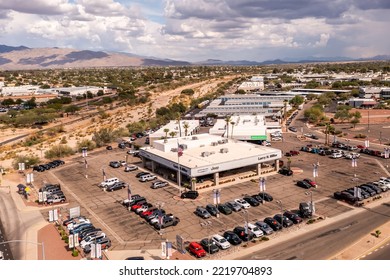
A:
{"x":30,"y":103}
{"x":314,"y":114}
{"x":103,"y":136}
{"x":59,"y":151}
{"x":86,"y":143}
{"x":166,"y":130}
{"x":29,"y":161}
{"x":227,"y":120}
{"x":297,"y":100}
{"x":72,"y":109}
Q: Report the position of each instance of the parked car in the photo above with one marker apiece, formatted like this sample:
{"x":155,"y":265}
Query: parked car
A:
{"x":129,"y":168}
{"x":116,"y":186}
{"x":336,"y":155}
{"x":283,"y":220}
{"x":109,"y":182}
{"x":115,"y":164}
{"x":142,"y":173}
{"x":190,"y":194}
{"x":196,"y":249}
{"x":251,"y":200}
{"x":202,"y":212}
{"x":293,"y":129}
{"x":295,"y":218}
{"x":234,"y":206}
{"x":285,"y":171}
{"x":109,"y":148}
{"x":258,"y":197}
{"x":224,"y":209}
{"x":275,"y":225}
{"x":255,"y":230}
{"x":159,"y":184}
{"x":264,"y":227}
{"x":221,"y":242}
{"x":311,"y":182}
{"x":56,"y":199}
{"x":209,"y":246}
{"x":147,"y":178}
{"x":139,"y":204}
{"x":305,"y":211}
{"x":266,"y":196}
{"x":242,"y":202}
{"x":212,"y":209}
{"x":303,"y":184}
{"x":104,"y":242}
{"x":245,"y":235}
{"x":232,"y":237}
{"x":167,"y":221}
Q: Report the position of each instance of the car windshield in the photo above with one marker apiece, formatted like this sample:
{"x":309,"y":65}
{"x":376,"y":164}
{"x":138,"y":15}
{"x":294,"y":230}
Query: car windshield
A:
{"x":255,"y":229}
{"x":222,"y":240}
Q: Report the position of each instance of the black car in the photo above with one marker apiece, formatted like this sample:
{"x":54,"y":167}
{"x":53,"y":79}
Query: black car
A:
{"x":115,"y":164}
{"x":109,"y":148}
{"x":368,"y":190}
{"x":274,"y":224}
{"x":293,"y":129}
{"x":232,"y":237}
{"x":251,"y":200}
{"x":373,"y":187}
{"x":212,"y":209}
{"x":121,"y":146}
{"x":295,"y":218}
{"x":285,"y":171}
{"x":266,"y":196}
{"x":224,"y":209}
{"x":258,"y":197}
{"x":190,"y":194}
{"x":303,"y":184}
{"x":305,"y":211}
{"x":38,"y":168}
{"x":245,"y":236}
{"x":141,"y":174}
{"x":116,"y":186}
{"x":283,"y":220}
{"x":209,"y":246}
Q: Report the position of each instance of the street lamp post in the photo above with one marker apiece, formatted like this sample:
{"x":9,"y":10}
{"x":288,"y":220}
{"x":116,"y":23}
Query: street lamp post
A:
{"x":387,"y":156}
{"x":246,"y":218}
{"x":281,"y":210}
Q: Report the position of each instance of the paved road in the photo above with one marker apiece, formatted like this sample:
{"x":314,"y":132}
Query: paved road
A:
{"x":327,"y":241}
{"x":4,"y":248}
{"x":381,"y":253}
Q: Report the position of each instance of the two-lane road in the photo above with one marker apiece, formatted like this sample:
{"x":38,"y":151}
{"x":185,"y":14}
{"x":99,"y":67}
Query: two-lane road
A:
{"x":327,"y":241}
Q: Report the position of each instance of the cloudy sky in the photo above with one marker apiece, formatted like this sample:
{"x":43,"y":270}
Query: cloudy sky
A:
{"x":196,"y":30}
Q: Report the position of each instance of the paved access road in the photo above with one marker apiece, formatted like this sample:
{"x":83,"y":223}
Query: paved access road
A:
{"x":4,"y":248}
{"x":326,"y":241}
{"x":381,"y":253}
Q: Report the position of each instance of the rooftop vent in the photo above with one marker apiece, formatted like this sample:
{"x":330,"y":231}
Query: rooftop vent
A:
{"x":224,"y":150}
{"x":195,"y":138}
{"x":214,"y":143}
{"x":205,"y":154}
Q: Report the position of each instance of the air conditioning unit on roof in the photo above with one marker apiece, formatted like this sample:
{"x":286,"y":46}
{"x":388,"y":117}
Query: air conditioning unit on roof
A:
{"x":205,"y":154}
{"x":214,"y":143}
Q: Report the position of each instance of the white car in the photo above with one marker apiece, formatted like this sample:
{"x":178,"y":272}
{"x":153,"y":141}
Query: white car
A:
{"x":129,"y":168}
{"x":255,"y":230}
{"x":336,"y":155}
{"x":276,"y":138}
{"x":109,"y":182}
{"x":90,"y":239}
{"x":242,"y":203}
{"x":79,"y":222}
{"x":352,"y":155}
{"x":384,"y":186}
{"x":221,"y":242}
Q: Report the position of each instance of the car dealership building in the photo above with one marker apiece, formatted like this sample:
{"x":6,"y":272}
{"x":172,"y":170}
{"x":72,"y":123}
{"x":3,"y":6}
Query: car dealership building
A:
{"x":208,"y":157}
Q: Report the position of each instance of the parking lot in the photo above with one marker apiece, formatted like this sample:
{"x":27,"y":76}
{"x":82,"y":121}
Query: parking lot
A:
{"x":129,"y":231}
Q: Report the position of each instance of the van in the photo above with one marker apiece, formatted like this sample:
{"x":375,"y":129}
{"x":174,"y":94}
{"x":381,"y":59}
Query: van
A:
{"x":109,"y":182}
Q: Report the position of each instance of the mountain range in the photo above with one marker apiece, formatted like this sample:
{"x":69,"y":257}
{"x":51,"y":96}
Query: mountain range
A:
{"x":23,"y":58}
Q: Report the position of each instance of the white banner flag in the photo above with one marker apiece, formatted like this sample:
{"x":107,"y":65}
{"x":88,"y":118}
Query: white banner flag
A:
{"x":93,"y":250}
{"x":262,"y":184}
{"x":51,"y":217}
{"x":71,"y":243}
{"x":76,"y":239}
{"x":354,"y":162}
{"x":55,"y":214}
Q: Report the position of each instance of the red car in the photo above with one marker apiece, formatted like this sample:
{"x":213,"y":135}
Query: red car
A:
{"x":310,"y":182}
{"x":196,"y":250}
{"x":360,"y":147}
{"x":147,"y":212}
{"x":137,"y":205}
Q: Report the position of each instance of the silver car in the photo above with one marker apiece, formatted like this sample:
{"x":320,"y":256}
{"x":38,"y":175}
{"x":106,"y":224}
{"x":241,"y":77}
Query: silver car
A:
{"x":234,"y":206}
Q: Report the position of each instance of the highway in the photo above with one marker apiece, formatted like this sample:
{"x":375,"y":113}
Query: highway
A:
{"x":325,"y":242}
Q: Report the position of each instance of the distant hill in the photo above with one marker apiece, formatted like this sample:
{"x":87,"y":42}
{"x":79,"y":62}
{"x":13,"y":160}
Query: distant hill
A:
{"x":5,"y":49}
{"x":23,"y":58}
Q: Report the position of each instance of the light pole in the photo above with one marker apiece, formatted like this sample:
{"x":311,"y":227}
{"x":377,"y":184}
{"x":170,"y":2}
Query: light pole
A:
{"x":281,"y":210}
{"x":246,"y":219}
{"x":387,"y":156}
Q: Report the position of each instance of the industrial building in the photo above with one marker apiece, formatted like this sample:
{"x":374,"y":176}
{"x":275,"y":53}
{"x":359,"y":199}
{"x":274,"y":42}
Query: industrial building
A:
{"x":206,"y":160}
{"x":239,"y":104}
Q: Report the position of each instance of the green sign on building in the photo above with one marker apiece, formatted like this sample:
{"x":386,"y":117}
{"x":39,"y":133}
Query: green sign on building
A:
{"x":258,"y":137}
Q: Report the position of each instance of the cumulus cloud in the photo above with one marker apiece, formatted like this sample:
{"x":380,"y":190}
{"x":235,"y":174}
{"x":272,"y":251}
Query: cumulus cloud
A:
{"x":195,"y":30}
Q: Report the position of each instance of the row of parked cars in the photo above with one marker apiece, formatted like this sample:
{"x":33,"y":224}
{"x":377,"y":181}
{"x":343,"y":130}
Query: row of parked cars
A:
{"x":235,"y":205}
{"x":366,"y":190}
{"x":245,"y":233}
{"x":306,"y":183}
{"x":155,"y":216}
{"x":51,"y":193}
{"x":87,"y":233}
{"x":360,"y":148}
{"x":47,"y":166}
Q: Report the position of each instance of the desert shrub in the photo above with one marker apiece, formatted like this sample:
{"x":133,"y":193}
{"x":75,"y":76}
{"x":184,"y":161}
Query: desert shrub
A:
{"x":59,"y":151}
{"x":29,"y":161}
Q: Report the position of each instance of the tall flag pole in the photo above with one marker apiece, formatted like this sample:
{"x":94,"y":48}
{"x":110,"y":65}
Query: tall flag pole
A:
{"x":104,"y":175}
{"x":86,"y":167}
{"x":354,"y":165}
{"x":262,"y":186}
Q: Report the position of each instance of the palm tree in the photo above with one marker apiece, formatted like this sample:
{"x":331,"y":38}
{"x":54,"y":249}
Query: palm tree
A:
{"x":166,"y":130}
{"x":172,"y":134}
{"x":178,"y":118}
{"x":227,"y":120}
{"x":232,"y":123}
{"x":186,"y":127}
